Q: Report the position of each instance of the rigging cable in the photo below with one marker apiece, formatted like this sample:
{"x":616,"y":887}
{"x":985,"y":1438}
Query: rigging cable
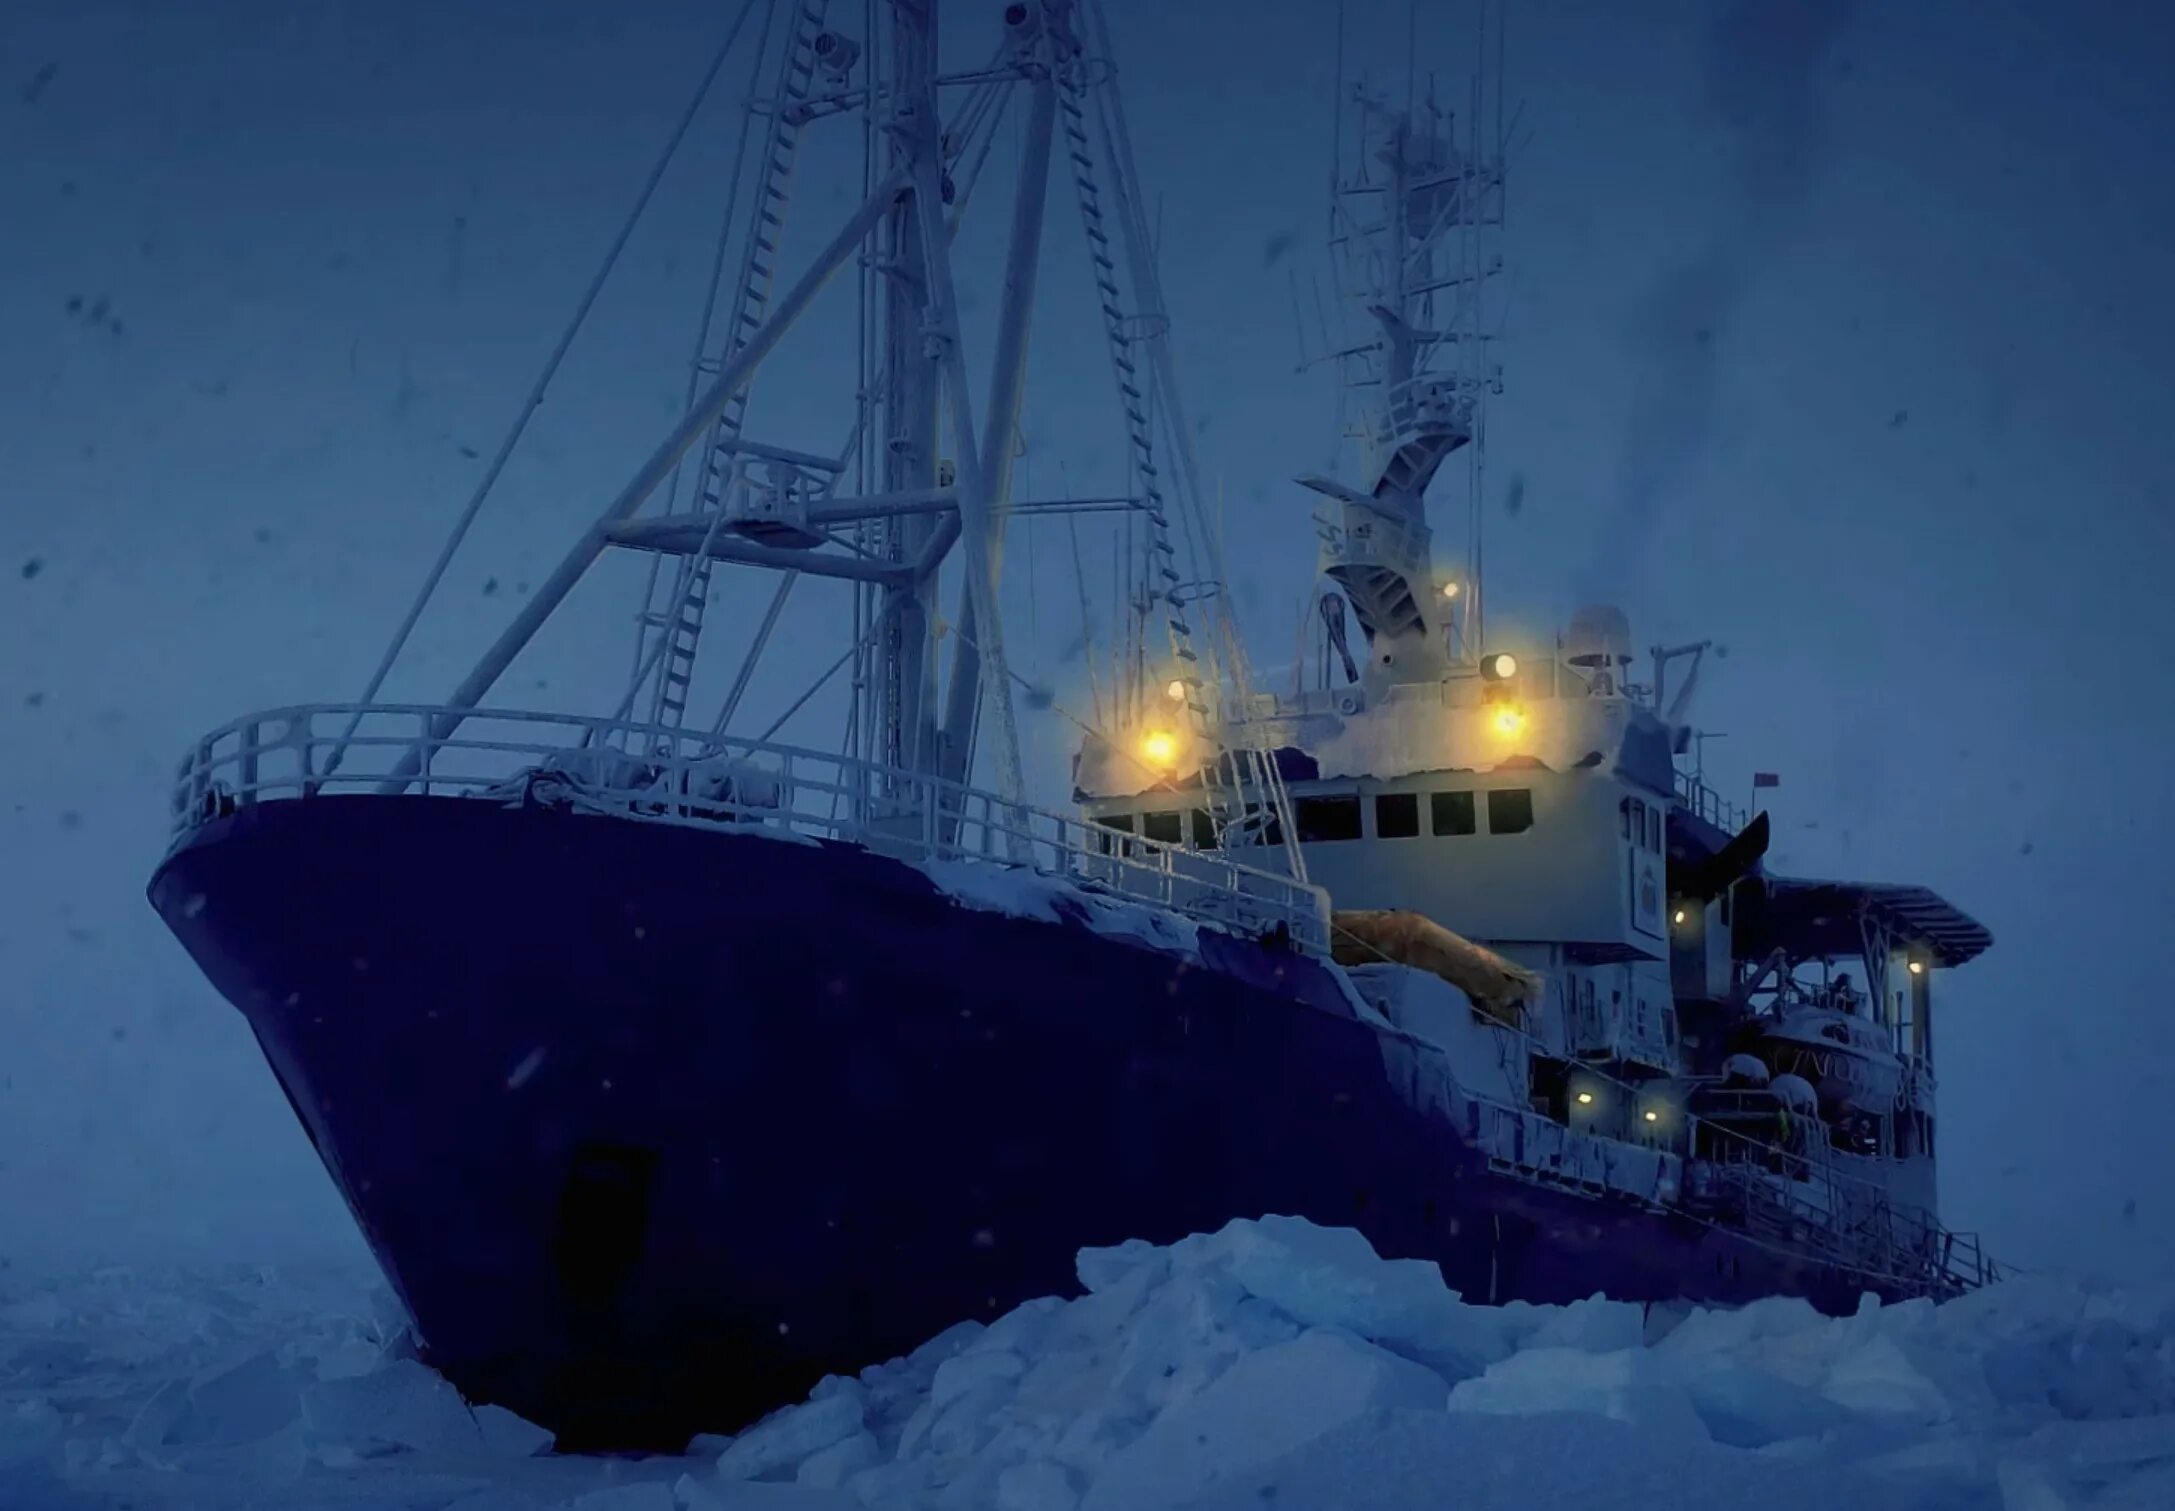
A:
{"x":642,"y":664}
{"x":543,"y":380}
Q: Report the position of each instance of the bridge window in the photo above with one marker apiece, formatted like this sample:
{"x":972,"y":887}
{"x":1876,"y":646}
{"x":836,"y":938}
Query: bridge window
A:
{"x":1204,"y":830}
{"x":1450,"y":812}
{"x":1653,"y":830}
{"x":1397,"y":815}
{"x":1322,"y":819}
{"x":1510,"y":810}
{"x":1162,"y":827}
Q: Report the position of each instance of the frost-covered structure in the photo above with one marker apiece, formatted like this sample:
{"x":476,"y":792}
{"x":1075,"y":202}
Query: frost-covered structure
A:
{"x":668,"y":1070}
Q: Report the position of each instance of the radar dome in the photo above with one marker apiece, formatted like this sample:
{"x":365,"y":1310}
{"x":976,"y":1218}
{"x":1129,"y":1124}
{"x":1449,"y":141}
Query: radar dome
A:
{"x":1600,"y":637}
{"x":1744,"y":1070}
{"x":1796,"y":1093}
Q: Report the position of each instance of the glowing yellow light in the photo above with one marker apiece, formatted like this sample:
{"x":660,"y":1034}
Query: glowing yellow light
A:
{"x":1917,"y":968}
{"x":1585,"y":1099}
{"x":1161,"y":747}
{"x":1449,"y":590}
{"x":1679,"y":915}
{"x":1653,"y":1117}
{"x":1176,"y":692}
{"x":1507,"y":720}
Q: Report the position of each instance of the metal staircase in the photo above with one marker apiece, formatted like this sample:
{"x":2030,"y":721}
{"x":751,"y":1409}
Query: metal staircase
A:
{"x":680,"y":618}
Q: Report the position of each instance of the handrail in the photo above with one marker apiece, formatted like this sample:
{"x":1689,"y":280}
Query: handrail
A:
{"x":1845,"y":1217}
{"x":693,"y":778}
{"x":1822,"y":1215}
{"x":1856,"y":1222}
{"x":1708,"y":804}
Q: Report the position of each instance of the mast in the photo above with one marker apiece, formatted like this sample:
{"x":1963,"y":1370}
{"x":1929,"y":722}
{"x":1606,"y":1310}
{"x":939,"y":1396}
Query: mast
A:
{"x":1415,"y":207}
{"x":905,"y":661}
{"x":916,"y":473}
{"x":1008,"y":389}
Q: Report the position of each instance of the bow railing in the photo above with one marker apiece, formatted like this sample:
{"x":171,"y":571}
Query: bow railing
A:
{"x":676,"y":776}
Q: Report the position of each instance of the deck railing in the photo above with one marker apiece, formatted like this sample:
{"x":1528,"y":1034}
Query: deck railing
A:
{"x":1796,"y":1195}
{"x":670,"y":776}
{"x":1706,"y":803}
{"x":1789,"y":1197}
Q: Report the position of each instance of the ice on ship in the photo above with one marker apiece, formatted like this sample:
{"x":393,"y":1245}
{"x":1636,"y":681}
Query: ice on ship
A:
{"x":667,"y":1065}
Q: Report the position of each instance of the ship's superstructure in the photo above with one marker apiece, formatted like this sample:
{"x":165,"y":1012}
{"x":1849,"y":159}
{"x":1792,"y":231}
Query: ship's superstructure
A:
{"x":667,"y":1066}
{"x":1546,"y":801}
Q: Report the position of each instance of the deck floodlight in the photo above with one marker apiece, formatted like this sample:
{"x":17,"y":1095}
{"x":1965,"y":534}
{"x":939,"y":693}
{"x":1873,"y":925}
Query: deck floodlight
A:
{"x":1499,"y":667}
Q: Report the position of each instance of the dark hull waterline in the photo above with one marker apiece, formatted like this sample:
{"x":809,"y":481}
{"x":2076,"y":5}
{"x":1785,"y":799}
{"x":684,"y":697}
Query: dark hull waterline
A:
{"x":651,"y":1127}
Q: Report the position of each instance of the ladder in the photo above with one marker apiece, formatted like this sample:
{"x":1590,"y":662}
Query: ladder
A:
{"x":1220,"y":789}
{"x":680,"y":618}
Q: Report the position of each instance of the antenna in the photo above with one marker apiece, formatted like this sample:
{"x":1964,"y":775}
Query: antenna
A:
{"x":1415,"y":210}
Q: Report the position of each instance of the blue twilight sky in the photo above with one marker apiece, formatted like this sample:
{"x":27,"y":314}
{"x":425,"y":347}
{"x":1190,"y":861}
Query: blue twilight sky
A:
{"x":1838,"y":332}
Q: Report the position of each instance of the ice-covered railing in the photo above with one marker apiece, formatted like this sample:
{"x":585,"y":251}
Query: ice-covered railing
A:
{"x":1422,"y":403}
{"x":675,"y":776}
{"x":1797,"y":1196}
{"x":1790,"y":1198}
{"x":1708,"y":804}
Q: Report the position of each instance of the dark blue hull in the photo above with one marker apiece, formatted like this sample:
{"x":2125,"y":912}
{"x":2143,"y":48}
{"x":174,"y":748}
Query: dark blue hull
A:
{"x":651,"y":1127}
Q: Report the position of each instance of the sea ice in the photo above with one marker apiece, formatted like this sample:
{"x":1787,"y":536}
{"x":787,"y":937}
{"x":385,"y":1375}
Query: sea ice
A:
{"x":782,"y":1439}
{"x":1272,"y":1364}
{"x":402,"y":1408}
{"x":1263,"y":1406}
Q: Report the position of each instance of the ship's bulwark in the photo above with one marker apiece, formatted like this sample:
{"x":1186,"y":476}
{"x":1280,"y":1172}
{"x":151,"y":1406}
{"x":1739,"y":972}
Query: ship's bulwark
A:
{"x":652,"y":1127}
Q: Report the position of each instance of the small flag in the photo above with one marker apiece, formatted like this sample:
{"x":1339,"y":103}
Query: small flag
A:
{"x":1765,"y":779}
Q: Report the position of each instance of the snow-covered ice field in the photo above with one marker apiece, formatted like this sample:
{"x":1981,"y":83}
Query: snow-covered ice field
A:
{"x":1274,"y":1364}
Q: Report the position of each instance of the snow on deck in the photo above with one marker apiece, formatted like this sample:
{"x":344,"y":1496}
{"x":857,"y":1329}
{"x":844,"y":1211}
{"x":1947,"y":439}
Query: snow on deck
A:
{"x":1273,"y":1364}
{"x":1018,"y":892}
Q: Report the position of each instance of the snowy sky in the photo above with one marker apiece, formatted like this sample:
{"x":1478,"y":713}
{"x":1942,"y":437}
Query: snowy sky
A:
{"x":1841,"y":336}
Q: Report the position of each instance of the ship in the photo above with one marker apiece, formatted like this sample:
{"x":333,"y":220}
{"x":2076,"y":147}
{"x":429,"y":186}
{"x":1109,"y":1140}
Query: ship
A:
{"x":667,"y":1067}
